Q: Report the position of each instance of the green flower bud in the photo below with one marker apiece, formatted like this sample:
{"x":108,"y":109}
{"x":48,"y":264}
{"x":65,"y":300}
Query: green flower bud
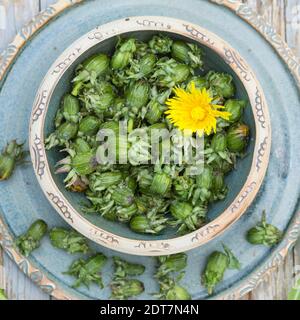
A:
{"x":147,"y":64}
{"x":172,"y":263}
{"x":32,"y":238}
{"x":62,"y":135}
{"x":78,"y":185}
{"x":178,"y":293}
{"x":77,"y":87}
{"x":218,"y":181}
{"x":185,"y":216}
{"x":117,"y":109}
{"x":170,"y":73}
{"x":111,"y":215}
{"x":67,"y":131}
{"x":218,"y":142}
{"x":59,"y":118}
{"x":170,"y":290}
{"x":161,"y":184}
{"x":156,"y":105}
{"x":121,"y":78}
{"x":2,"y":295}
{"x":237,"y":137}
{"x":222,"y":165}
{"x":124,"y":268}
{"x":123,"y":196}
{"x":103,"y":205}
{"x":214,"y":271}
{"x":183,"y":186}
{"x":71,"y":108}
{"x":99,"y":98}
{"x":88,"y":271}
{"x":68,"y":240}
{"x":204,"y":186}
{"x":145,"y":178}
{"x":84,"y":163}
{"x":131,"y":183}
{"x":141,"y":205}
{"x":123,"y":288}
{"x":105,"y":101}
{"x":188,"y":53}
{"x":180,"y":51}
{"x":152,"y":224}
{"x":181,"y":210}
{"x":200,"y":83}
{"x":236,"y":108}
{"x":217,"y":264}
{"x":81,"y":146}
{"x":112,"y":125}
{"x":120,"y":59}
{"x":181,"y":73}
{"x":88,"y":126}
{"x":102,"y":181}
{"x":141,"y":68}
{"x":264,"y":233}
{"x":10,"y":156}
{"x":93,"y":67}
{"x":155,"y":111}
{"x":205,"y":179}
{"x":123,"y":54}
{"x":142,"y":48}
{"x":124,"y":214}
{"x":137,"y":94}
{"x":221,"y":84}
{"x":95,"y":263}
{"x":160,"y":44}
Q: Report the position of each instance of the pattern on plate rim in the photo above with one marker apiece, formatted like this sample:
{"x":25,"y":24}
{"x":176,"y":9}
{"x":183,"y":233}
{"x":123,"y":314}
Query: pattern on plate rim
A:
{"x":257,"y":276}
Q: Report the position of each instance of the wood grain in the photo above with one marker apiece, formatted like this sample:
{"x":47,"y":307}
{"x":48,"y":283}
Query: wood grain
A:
{"x":284,"y":15}
{"x":293,"y":25}
{"x":281,"y":14}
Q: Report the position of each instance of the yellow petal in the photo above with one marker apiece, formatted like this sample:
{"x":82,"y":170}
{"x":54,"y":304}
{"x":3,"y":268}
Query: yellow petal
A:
{"x":183,"y":108}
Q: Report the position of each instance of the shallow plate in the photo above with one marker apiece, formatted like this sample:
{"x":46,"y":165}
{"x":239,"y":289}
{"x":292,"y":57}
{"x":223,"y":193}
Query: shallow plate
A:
{"x":22,"y":201}
{"x":244,"y":182}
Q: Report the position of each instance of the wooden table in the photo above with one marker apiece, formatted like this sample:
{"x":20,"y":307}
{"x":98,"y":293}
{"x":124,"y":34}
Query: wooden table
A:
{"x":283,"y":14}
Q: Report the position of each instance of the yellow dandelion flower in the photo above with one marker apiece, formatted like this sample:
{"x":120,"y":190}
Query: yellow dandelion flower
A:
{"x":193,"y":110}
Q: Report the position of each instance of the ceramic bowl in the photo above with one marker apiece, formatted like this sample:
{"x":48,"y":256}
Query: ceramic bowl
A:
{"x":244,"y":182}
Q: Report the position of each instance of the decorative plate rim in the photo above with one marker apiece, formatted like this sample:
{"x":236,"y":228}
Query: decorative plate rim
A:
{"x":151,"y":247}
{"x":239,"y":289}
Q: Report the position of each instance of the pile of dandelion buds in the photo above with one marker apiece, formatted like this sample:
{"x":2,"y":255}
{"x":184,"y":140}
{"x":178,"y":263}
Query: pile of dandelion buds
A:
{"x":155,"y":85}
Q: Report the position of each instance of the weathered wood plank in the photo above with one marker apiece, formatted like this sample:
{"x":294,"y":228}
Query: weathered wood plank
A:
{"x":25,"y":11}
{"x":18,"y":286}
{"x":293,"y":40}
{"x":45,"y":3}
{"x":14,"y":14}
{"x":8,"y":28}
{"x":293,"y":25}
{"x":296,"y":274}
{"x":272,"y":11}
{"x":279,"y":283}
{"x":2,"y":280}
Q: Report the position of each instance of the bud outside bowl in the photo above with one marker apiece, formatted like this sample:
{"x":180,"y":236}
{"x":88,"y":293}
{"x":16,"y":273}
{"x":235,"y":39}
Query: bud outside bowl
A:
{"x":244,"y":182}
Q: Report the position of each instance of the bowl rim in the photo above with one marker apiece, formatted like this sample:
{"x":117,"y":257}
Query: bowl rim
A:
{"x":260,"y":155}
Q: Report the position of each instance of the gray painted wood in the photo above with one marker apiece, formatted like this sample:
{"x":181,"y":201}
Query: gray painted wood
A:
{"x":283,"y":14}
